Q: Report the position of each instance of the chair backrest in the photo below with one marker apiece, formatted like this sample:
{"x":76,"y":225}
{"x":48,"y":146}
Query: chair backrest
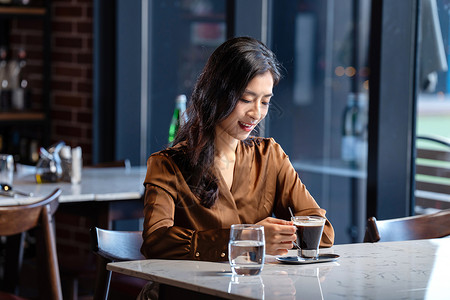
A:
{"x":111,"y":246}
{"x":17,"y":219}
{"x":20,"y":218}
{"x":432,"y":174}
{"x":117,"y":245}
{"x":429,"y":226}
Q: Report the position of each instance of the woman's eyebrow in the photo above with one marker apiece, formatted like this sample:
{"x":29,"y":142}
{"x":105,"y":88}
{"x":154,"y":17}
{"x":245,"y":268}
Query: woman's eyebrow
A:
{"x":254,"y":94}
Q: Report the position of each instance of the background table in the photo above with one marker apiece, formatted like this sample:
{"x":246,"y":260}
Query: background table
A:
{"x":105,"y":197}
{"x":97,"y":184}
{"x":393,"y":270}
{"x":118,"y":189}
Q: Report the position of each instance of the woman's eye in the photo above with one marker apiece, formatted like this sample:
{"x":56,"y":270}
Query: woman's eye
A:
{"x":266,"y":103}
{"x":245,"y":101}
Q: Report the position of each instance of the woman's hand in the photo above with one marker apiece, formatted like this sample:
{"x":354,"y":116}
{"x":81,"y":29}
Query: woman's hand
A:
{"x":279,"y":235}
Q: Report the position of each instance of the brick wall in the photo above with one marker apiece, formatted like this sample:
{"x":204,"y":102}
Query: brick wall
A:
{"x":71,"y":86}
{"x":70,"y":102}
{"x":71,"y":114}
{"x":72,"y":39}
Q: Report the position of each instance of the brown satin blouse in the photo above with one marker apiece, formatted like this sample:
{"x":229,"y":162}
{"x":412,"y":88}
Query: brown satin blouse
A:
{"x":177,"y":226}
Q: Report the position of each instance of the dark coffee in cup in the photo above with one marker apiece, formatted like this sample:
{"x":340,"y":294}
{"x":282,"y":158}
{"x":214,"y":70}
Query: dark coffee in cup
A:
{"x":309,"y":234}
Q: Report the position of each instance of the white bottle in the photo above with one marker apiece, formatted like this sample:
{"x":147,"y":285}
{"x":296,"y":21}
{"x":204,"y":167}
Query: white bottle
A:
{"x":77,"y":165}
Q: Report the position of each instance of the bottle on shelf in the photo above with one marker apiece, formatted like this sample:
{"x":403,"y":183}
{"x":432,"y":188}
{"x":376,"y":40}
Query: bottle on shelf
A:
{"x":5,"y":89}
{"x":34,"y":151}
{"x":5,"y":2}
{"x":23,"y":149}
{"x":362,"y":148}
{"x":19,"y":82}
{"x":178,"y":117}
{"x":349,"y":129}
{"x":20,"y":2}
{"x":354,"y":129}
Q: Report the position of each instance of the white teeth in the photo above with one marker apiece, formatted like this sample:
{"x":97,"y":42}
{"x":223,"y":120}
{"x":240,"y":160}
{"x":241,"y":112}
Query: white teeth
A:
{"x":247,"y":124}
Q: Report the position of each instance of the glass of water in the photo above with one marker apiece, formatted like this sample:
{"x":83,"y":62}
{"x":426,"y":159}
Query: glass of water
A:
{"x":6,"y":169}
{"x":246,"y":249}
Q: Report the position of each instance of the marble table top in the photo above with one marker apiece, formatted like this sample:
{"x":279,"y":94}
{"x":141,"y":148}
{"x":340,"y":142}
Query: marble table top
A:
{"x":392,"y":270}
{"x":97,"y":184}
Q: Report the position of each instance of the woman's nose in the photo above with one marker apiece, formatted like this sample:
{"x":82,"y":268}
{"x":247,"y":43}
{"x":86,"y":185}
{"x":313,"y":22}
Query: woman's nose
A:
{"x":255,"y":111}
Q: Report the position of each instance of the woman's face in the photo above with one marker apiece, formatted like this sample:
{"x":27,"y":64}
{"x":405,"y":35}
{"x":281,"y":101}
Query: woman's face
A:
{"x":250,"y":109}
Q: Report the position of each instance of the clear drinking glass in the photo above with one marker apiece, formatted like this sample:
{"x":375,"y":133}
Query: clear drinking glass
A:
{"x":246,"y":249}
{"x":6,"y":169}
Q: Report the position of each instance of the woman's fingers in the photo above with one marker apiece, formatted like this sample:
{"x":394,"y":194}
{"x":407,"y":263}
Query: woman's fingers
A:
{"x":271,"y":220}
{"x":279,"y":235}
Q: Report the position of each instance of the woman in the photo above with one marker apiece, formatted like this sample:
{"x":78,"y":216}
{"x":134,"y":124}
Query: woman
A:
{"x":217,"y":175}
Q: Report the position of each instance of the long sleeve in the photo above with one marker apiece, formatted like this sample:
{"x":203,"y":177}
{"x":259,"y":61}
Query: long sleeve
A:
{"x":175,"y":226}
{"x":164,"y":240}
{"x":291,"y":192}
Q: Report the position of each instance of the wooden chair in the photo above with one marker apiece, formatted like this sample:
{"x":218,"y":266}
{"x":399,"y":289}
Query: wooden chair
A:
{"x":431,"y":166}
{"x":14,"y":222}
{"x":112,"y":246}
{"x":8,"y":296}
{"x":410,"y":228}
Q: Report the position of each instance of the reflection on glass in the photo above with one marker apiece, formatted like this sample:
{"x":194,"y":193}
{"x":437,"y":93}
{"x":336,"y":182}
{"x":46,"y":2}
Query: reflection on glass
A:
{"x":250,"y":286}
{"x":322,"y":104}
{"x":183,"y":34}
{"x":310,"y":283}
{"x":433,"y":101}
{"x":280,"y":286}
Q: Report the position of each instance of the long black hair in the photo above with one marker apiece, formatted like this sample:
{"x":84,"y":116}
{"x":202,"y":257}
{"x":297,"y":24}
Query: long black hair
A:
{"x":225,"y":76}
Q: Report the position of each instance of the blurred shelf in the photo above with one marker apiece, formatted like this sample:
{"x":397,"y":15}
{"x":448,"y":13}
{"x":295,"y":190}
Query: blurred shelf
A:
{"x":22,"y":132}
{"x":334,"y":167}
{"x":25,"y":11}
{"x":21,"y":116}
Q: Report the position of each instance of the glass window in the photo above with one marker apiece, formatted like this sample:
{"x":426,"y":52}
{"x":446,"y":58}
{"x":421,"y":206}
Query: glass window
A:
{"x":183,"y":35}
{"x":433,"y":107}
{"x":321,"y":105}
{"x":320,"y":108}
{"x":162,"y":47}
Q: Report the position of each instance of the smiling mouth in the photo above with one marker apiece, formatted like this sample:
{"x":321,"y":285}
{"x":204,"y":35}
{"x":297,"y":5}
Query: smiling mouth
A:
{"x":246,"y":126}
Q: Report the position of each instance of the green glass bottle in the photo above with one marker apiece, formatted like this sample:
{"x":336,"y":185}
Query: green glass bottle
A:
{"x":178,"y":118}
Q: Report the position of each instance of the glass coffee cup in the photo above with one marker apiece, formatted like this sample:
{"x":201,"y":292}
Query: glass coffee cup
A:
{"x":309,"y":234}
